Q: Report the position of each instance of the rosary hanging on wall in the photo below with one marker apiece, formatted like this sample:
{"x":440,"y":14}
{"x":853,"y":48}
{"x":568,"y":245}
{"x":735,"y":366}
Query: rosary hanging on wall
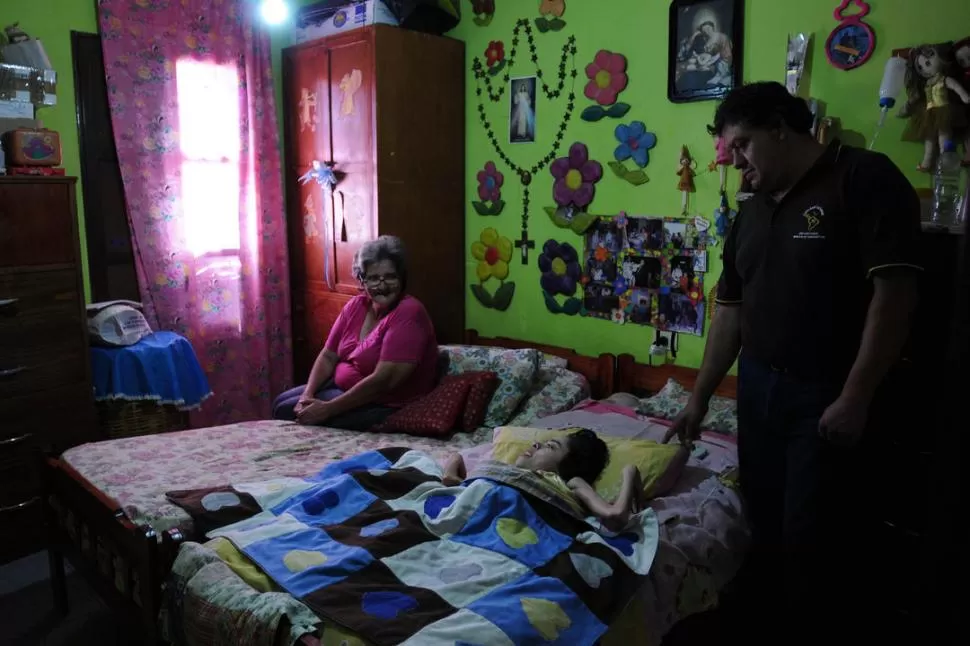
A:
{"x":483,"y":79}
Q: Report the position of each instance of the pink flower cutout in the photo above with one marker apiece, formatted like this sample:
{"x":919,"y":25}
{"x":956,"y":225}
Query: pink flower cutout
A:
{"x":576,"y":176}
{"x":607,"y":77}
{"x":490,"y":183}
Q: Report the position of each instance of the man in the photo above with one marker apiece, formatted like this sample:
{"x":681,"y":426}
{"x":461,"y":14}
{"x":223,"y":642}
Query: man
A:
{"x":817,"y":293}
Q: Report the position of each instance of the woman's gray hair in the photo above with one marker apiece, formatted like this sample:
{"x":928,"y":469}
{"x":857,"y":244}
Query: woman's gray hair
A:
{"x":383,"y":248}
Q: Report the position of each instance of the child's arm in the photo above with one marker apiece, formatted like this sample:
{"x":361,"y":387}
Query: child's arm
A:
{"x":616,"y":515}
{"x":454,"y":472}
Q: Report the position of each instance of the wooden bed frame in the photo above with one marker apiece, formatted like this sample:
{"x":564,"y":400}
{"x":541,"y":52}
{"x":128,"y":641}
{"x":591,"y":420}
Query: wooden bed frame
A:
{"x":639,"y":379}
{"x":127,"y":564}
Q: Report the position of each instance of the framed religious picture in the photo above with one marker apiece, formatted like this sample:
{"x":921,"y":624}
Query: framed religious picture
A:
{"x":522,"y":110}
{"x":705,"y":45}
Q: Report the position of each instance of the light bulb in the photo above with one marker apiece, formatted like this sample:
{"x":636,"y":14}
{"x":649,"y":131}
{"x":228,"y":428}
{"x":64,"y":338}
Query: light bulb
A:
{"x":274,"y":11}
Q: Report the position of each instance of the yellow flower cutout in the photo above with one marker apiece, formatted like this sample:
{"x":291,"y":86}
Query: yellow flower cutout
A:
{"x":493,"y":253}
{"x":552,"y":8}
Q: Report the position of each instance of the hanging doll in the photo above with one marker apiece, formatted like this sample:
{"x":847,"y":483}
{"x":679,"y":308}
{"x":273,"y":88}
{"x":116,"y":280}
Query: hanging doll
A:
{"x":961,"y":52}
{"x":936,"y":101}
{"x":686,"y":174}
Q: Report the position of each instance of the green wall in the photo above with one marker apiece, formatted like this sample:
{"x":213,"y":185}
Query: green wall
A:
{"x":52,"y":22}
{"x":638,"y":29}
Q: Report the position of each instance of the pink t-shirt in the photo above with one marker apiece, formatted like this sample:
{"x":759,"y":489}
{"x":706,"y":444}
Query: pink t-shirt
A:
{"x":406,"y":335}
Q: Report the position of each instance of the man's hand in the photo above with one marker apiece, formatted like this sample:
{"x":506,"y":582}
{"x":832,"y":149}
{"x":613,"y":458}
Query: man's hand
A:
{"x":454,"y":473}
{"x":843,"y":422}
{"x":305,"y":399}
{"x":315,"y":412}
{"x":687,"y":425}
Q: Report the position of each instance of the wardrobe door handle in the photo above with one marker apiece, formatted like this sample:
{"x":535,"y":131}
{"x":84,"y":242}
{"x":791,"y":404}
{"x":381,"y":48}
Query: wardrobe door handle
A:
{"x":12,"y":372}
{"x":16,"y":440}
{"x":22,"y":505}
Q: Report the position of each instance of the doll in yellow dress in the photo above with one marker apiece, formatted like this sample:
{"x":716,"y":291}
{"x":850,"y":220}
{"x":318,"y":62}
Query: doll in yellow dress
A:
{"x":934,"y":101}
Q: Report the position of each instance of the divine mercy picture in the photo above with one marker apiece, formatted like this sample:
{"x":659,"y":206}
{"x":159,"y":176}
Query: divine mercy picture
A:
{"x":522,"y":110}
{"x":705,"y":48}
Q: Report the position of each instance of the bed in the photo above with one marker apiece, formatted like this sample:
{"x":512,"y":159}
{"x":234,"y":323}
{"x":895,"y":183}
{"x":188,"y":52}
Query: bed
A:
{"x":119,"y":533}
{"x":702,"y":539}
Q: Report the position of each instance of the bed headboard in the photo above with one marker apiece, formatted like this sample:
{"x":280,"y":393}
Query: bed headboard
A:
{"x":640,"y":379}
{"x":599,"y":371}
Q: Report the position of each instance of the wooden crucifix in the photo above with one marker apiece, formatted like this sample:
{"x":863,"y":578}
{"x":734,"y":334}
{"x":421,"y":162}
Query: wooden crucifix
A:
{"x":525,"y":244}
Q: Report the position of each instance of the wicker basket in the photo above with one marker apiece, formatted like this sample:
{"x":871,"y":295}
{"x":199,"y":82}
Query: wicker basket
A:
{"x":129,"y":419}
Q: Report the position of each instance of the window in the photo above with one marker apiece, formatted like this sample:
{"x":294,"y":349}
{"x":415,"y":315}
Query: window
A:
{"x":212,"y":183}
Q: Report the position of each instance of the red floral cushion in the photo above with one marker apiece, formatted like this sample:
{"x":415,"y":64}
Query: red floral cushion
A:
{"x":479,"y":395}
{"x":437,"y":413}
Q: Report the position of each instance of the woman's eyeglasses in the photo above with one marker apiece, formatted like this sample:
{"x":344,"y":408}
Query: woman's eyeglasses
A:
{"x":375,"y":281}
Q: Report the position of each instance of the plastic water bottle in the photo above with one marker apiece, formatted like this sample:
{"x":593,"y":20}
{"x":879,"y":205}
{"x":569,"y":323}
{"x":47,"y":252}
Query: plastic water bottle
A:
{"x":946,"y":186}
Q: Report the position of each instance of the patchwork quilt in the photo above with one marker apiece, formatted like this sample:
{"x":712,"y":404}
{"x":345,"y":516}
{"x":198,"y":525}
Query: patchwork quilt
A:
{"x":377,"y":544}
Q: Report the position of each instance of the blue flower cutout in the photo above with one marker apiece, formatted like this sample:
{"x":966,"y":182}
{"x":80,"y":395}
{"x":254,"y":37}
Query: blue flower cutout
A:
{"x":620,"y":219}
{"x":635,"y":142}
{"x":620,"y":286}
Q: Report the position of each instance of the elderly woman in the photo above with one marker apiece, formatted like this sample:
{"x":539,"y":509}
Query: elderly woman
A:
{"x":380,"y":355}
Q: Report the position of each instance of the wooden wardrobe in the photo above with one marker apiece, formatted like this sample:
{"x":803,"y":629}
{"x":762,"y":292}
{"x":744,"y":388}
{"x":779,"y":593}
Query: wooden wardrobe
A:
{"x":386,"y":106}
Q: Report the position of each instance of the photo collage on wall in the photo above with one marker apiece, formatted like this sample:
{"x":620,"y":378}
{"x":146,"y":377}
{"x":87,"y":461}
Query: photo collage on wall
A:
{"x":648,"y":271}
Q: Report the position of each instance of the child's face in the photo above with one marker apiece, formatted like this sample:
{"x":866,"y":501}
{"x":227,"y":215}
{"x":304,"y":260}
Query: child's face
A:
{"x":543,"y":457}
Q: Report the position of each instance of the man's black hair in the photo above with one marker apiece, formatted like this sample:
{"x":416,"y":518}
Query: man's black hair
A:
{"x":586,"y":456}
{"x":707,"y":22}
{"x":765,"y":106}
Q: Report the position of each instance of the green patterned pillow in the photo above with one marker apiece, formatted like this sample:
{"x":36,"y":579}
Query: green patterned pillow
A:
{"x":722,"y":413}
{"x":516,"y":370}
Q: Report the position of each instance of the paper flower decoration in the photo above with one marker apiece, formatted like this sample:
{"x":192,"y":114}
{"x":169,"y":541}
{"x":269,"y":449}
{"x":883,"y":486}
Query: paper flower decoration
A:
{"x":552,"y":8}
{"x":620,"y":286}
{"x":607,"y":77}
{"x":601,"y":254}
{"x":576,"y":177}
{"x":620,"y":219}
{"x":493,"y":253}
{"x":494,"y":53}
{"x":559,"y":264}
{"x":635,"y":143}
{"x":552,"y":11}
{"x":490,"y":182}
{"x":484,"y":11}
{"x":618,"y":316}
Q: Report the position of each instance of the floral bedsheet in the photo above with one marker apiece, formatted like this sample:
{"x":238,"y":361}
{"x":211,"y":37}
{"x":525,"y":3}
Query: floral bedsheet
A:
{"x":136,"y":472}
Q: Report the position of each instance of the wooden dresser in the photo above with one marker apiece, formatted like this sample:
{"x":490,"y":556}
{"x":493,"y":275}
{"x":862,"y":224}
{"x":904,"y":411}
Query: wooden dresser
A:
{"x":386,"y":106}
{"x":46,"y":401}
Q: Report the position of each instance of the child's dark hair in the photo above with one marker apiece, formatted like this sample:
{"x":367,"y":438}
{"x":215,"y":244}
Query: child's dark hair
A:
{"x":765,"y":105}
{"x":585,"y":458}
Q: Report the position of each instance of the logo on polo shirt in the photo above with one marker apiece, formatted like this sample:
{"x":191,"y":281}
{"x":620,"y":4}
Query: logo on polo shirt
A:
{"x":813,"y":218}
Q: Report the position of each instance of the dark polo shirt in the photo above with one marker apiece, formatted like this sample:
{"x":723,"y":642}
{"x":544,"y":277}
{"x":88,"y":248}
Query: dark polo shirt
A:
{"x":801,"y":269}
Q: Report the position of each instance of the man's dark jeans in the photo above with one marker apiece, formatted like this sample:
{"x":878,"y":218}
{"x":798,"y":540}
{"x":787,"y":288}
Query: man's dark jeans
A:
{"x":801,"y":497}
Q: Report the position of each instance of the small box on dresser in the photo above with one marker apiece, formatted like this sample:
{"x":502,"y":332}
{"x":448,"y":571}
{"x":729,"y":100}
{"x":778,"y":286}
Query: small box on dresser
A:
{"x":46,"y":401}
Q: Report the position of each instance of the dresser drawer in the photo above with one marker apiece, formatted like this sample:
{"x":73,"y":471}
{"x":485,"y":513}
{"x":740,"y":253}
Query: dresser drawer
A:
{"x":36,"y":306}
{"x":32,"y":368}
{"x":19,"y":469}
{"x":37,"y":222}
{"x":55,"y":418}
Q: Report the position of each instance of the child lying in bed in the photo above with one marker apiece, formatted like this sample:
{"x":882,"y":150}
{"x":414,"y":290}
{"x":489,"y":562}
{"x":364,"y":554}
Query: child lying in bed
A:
{"x":572,"y":466}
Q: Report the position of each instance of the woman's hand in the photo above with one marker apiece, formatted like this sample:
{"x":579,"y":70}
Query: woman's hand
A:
{"x":315,"y":412}
{"x":305,"y":400}
{"x":454,"y":473}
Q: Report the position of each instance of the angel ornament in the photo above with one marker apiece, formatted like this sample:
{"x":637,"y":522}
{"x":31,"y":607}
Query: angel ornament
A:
{"x":936,"y":101}
{"x":320,"y":173}
{"x":686,"y":174}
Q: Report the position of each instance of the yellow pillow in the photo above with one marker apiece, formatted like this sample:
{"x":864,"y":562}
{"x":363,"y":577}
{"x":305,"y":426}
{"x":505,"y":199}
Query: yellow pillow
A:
{"x":659,"y":464}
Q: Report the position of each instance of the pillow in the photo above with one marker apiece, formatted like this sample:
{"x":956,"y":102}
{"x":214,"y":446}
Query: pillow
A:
{"x":555,"y":390}
{"x":436,"y":414}
{"x":659,"y":464}
{"x":722,"y":412}
{"x":552,"y":361}
{"x":516,"y":370}
{"x":479,"y":395}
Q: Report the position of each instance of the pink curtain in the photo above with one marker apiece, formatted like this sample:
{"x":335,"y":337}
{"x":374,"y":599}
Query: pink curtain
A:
{"x":191,"y":93}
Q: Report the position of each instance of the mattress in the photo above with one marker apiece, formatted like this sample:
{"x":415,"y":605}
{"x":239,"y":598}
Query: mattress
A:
{"x":137,"y":471}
